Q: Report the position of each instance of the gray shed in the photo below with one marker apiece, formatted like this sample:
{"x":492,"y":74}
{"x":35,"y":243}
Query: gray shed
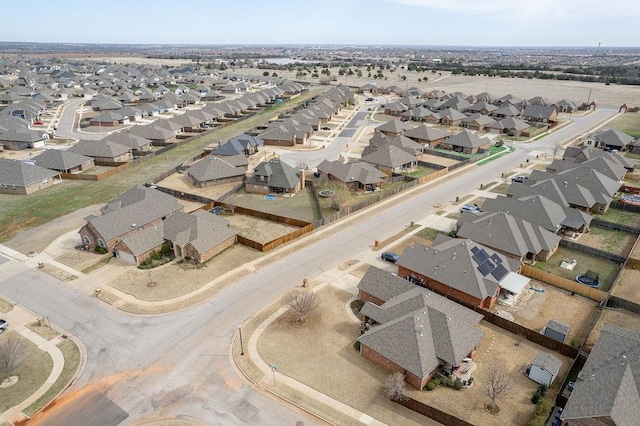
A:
{"x":557,"y":330}
{"x":544,"y":368}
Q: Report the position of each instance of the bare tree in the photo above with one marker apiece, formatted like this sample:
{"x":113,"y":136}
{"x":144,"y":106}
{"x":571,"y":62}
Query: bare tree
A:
{"x":395,"y":387}
{"x":301,"y":301}
{"x":556,"y":147}
{"x":12,"y":350}
{"x":499,"y":384}
{"x":341,"y":194}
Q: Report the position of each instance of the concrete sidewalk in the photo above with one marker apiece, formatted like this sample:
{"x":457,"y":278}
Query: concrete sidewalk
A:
{"x":18,"y":318}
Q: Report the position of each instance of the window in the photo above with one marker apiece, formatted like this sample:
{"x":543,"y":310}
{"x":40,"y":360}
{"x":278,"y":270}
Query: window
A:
{"x":45,"y":181}
{"x":101,"y":243}
{"x":87,"y":240}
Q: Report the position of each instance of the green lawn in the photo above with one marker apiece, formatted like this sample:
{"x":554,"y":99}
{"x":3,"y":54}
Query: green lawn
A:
{"x":33,"y":373}
{"x":621,"y":216}
{"x":18,"y":212}
{"x":71,"y":363}
{"x":498,"y":151}
{"x":608,"y":270}
{"x":628,"y":123}
{"x":428,"y":233}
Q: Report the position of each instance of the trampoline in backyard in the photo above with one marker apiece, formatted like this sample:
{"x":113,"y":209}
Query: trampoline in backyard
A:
{"x":590,"y":279}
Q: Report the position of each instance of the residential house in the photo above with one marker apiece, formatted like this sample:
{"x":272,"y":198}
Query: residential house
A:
{"x":586,"y":153}
{"x":576,"y":219}
{"x":358,"y":176}
{"x":540,"y":114}
{"x":607,"y":391}
{"x":427,"y":135}
{"x":609,"y":139}
{"x":477,"y":122}
{"x":17,"y":177}
{"x":460,"y":269}
{"x":565,"y":105}
{"x":156,"y":134}
{"x":506,"y":111}
{"x":275,"y":177}
{"x":481,"y":107}
{"x":379,"y":140}
{"x":199,"y":236}
{"x":583,"y":187}
{"x":214,"y":170}
{"x":466,"y":142}
{"x":22,"y":138}
{"x":137,"y":144}
{"x":393,"y":128}
{"x":103,"y":152}
{"x":109,"y":119}
{"x":138,"y":208}
{"x":391,"y":159}
{"x":510,"y":125}
{"x":415,"y":332}
{"x":451,"y":117}
{"x":239,"y":145}
{"x":63,"y":161}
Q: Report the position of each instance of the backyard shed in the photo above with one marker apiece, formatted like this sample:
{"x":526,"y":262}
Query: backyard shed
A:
{"x":544,"y":368}
{"x":557,"y":330}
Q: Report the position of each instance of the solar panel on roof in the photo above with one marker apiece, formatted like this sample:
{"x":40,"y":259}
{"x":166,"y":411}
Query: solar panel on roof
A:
{"x":474,"y":250}
{"x":499,"y":272}
{"x":496,"y":258}
{"x":480,"y":257}
{"x":486,"y":267}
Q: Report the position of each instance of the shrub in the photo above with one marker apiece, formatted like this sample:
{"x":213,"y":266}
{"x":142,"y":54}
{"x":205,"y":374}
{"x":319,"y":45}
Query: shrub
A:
{"x":542,"y":407}
{"x":166,"y":249}
{"x":450,"y":383}
{"x":356,"y":345}
{"x":458,"y":384}
{"x":542,"y":389}
{"x":395,"y":388}
{"x":453,"y":233}
{"x":101,"y":250}
{"x":156,"y":256}
{"x":499,"y":143}
{"x":575,"y":343}
{"x":436,"y":381}
{"x":536,"y":397}
{"x":431,"y":386}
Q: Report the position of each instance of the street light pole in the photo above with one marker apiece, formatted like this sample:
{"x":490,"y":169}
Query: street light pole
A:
{"x":241,"y":346}
{"x":273,"y":370}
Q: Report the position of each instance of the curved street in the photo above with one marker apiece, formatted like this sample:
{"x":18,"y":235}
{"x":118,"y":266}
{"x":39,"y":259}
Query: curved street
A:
{"x":140,"y":368}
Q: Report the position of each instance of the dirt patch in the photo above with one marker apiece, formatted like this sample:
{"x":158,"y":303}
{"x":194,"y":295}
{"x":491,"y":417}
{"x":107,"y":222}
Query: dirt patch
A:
{"x":395,"y":237}
{"x":360,"y":270}
{"x":428,"y":158}
{"x":259,"y":230}
{"x":57,"y":272}
{"x":80,"y":260}
{"x":616,"y":242}
{"x":5,"y":306}
{"x":512,"y":352}
{"x":38,"y":238}
{"x":628,"y":285}
{"x":174,"y":281}
{"x":399,"y":248}
{"x":181,"y":182}
{"x":300,"y":206}
{"x":533,"y":309}
{"x":304,"y":353}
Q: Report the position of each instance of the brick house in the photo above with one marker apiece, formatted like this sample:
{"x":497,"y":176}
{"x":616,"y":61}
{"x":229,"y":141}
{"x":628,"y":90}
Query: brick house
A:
{"x":21,"y":178}
{"x":458,"y":268}
{"x":136,"y":209}
{"x":414,"y":332}
{"x":275,"y":177}
{"x":356,"y":176}
{"x":199,"y":235}
{"x":215,"y":170}
{"x":466,"y":142}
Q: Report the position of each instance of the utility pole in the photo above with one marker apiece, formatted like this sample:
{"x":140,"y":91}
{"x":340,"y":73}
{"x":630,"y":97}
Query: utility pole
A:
{"x":241,"y":346}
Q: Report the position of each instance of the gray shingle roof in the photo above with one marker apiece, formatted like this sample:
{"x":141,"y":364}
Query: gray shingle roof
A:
{"x":451,"y":263}
{"x":419,"y":330}
{"x":424,"y":132}
{"x":389,"y":156}
{"x":276,"y":173}
{"x":535,"y":209}
{"x":609,"y":383}
{"x":56,"y":159}
{"x":361,"y":172}
{"x":548,"y":362}
{"x":382,"y":284}
{"x":214,"y":168}
{"x":18,"y":173}
{"x":507,"y":234}
{"x":100,"y":148}
{"x":467,"y":139}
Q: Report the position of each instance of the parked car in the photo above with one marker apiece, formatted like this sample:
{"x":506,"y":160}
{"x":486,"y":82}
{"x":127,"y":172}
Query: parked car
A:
{"x":369,"y":99}
{"x":470,"y":208}
{"x":570,"y":386}
{"x":390,"y":256}
{"x":38,"y":123}
{"x":519,"y":179}
{"x":325,"y":128}
{"x":3,"y":325}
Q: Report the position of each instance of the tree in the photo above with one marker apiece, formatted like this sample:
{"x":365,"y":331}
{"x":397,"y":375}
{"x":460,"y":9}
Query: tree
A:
{"x":223,"y":66}
{"x":301,"y":302}
{"x":499,"y":384}
{"x":266,"y":73}
{"x":395,"y":387}
{"x":12,"y":350}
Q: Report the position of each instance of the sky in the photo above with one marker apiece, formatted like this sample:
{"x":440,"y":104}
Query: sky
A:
{"x":351,"y":22}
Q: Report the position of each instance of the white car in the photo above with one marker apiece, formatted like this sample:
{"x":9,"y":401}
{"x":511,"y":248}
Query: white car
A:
{"x":3,"y":325}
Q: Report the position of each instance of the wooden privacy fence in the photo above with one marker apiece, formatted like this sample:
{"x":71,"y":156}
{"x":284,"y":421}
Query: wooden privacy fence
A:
{"x":627,"y":305}
{"x":615,"y":226}
{"x":626,"y":207}
{"x":97,"y":176}
{"x":433,"y":413}
{"x":565,"y":284}
{"x":591,"y":251}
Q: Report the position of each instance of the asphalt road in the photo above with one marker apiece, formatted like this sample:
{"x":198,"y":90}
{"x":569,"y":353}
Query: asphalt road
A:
{"x":65,"y":128}
{"x":335,"y":148}
{"x":178,"y":364}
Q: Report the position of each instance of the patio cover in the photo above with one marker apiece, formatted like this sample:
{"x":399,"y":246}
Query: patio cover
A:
{"x":514,"y":283}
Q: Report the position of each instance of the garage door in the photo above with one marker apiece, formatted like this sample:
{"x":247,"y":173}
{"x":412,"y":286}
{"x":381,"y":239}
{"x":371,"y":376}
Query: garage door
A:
{"x":127,"y":257}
